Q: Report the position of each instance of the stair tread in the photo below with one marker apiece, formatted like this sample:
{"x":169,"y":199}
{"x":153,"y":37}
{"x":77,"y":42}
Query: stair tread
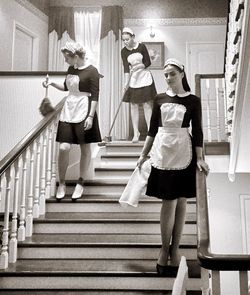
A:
{"x":89,"y":292}
{"x":113,"y":197}
{"x":106,"y":217}
{"x":66,"y":240}
{"x":120,"y":155}
{"x":99,"y":181}
{"x":94,"y":267}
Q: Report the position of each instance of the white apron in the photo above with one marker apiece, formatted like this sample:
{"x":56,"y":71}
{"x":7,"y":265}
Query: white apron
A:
{"x":76,"y":105}
{"x":172,"y":147}
{"x":140,"y":77}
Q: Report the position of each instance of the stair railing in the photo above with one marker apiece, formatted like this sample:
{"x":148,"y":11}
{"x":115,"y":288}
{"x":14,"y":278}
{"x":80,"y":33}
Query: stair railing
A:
{"x":208,"y":260}
{"x":27,"y":179}
{"x":211,"y":89}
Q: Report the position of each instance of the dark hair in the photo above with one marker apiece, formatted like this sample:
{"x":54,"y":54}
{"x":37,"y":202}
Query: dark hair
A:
{"x":185,"y":84}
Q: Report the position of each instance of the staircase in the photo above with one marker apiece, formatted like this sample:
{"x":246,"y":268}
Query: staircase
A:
{"x":94,"y":246}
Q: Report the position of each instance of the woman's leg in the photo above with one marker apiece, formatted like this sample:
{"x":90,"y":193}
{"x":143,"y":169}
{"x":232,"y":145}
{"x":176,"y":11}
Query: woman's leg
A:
{"x":135,"y":121}
{"x":167,"y":219}
{"x":63,"y":160}
{"x":84,"y":165}
{"x":180,"y":216}
{"x":85,"y":159}
{"x":147,"y":106}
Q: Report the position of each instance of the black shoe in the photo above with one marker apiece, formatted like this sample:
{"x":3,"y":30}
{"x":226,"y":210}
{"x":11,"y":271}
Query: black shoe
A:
{"x":166,"y":270}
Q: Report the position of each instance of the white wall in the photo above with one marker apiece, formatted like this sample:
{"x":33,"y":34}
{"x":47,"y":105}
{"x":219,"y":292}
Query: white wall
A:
{"x":176,"y":38}
{"x":10,"y":12}
{"x":20,"y":98}
{"x":225,"y":221}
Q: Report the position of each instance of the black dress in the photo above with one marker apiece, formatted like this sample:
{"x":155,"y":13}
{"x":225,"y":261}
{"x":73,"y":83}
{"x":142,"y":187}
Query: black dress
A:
{"x":141,"y":87}
{"x":83,"y":86}
{"x":174,"y":183}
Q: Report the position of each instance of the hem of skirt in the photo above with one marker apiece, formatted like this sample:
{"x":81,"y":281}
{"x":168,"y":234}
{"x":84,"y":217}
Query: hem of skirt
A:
{"x":170,"y":198}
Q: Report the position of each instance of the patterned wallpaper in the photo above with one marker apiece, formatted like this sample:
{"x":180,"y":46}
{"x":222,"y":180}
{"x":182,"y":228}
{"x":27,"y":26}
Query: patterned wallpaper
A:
{"x":143,"y":9}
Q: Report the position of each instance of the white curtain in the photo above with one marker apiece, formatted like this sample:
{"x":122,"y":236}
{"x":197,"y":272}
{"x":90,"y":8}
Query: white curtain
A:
{"x":56,"y":59}
{"x":112,"y":69}
{"x":87,"y":32}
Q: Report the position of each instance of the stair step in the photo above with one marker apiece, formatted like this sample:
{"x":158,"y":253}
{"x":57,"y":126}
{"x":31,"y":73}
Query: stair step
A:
{"x":107,"y":217}
{"x":91,"y":282}
{"x":114,"y":172}
{"x":126,"y":147}
{"x":94,"y":267}
{"x":103,"y":203}
{"x":76,"y":240}
{"x":64,"y":226}
{"x":89,"y":292}
{"x":29,"y":250}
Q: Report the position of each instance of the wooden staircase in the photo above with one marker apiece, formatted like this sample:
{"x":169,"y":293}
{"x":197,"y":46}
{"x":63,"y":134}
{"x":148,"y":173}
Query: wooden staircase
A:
{"x":94,"y":246}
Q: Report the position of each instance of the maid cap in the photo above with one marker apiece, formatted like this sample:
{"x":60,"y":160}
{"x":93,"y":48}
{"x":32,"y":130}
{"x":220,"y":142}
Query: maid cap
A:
{"x":175,"y":62}
{"x":127,"y":30}
{"x":73,"y":47}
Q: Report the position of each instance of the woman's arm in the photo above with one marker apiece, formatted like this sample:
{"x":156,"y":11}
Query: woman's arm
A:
{"x":58,"y":86}
{"x":146,"y":149}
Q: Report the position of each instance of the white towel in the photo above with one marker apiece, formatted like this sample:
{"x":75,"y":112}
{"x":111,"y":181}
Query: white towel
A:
{"x":136,"y":186}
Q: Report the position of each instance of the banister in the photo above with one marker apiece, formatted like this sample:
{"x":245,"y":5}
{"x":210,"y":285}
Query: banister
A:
{"x":207,"y":259}
{"x":10,"y":158}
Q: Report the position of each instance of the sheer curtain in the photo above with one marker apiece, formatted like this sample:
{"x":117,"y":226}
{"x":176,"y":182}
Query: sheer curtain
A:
{"x":61,"y":30}
{"x":87,"y":22}
{"x":111,"y":68}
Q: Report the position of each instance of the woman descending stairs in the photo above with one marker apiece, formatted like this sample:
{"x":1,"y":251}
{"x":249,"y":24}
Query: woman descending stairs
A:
{"x":94,"y":246}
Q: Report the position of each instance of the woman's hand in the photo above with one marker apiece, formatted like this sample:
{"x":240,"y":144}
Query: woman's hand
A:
{"x":46,"y":84}
{"x":203,"y":166}
{"x":141,"y":160}
{"x":88,"y":123}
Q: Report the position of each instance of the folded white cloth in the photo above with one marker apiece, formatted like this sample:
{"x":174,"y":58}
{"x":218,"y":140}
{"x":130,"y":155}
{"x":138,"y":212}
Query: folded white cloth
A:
{"x":136,"y":186}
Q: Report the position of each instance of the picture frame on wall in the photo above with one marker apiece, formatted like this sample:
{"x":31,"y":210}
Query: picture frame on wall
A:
{"x":156,"y":53}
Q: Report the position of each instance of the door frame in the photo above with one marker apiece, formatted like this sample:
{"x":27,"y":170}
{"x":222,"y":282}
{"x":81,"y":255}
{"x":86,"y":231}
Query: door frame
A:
{"x":243,"y":199}
{"x":35,"y":44}
{"x":188,"y":49}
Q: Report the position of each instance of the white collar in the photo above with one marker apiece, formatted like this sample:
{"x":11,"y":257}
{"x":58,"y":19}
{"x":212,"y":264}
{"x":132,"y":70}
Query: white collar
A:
{"x":135,"y":47}
{"x":172,"y":94}
{"x":82,"y":67}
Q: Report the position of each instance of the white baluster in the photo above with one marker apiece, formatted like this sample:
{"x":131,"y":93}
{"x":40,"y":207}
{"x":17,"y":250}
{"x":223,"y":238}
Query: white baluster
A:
{"x":49,"y":163}
{"x":243,"y":283}
{"x":209,"y":133}
{"x":37,"y":181}
{"x":4,"y":257}
{"x":29,"y":217}
{"x":54,"y":158}
{"x":13,"y":235}
{"x":43,"y":173}
{"x":215,"y":282}
{"x":217,"y":91}
{"x":21,"y":229}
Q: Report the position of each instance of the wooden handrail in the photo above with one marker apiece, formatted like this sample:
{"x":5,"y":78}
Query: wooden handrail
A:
{"x":207,"y":259}
{"x":22,"y":145}
{"x":198,"y":78}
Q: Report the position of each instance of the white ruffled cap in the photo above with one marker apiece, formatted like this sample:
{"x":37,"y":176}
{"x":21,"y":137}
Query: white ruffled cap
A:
{"x":73,"y":47}
{"x":175,"y":62}
{"x":127,"y":30}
